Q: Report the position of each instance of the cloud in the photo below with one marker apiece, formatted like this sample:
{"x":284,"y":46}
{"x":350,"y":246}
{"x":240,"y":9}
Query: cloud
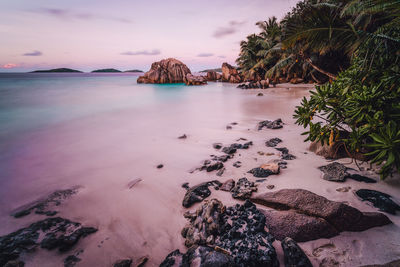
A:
{"x":222,"y":56}
{"x":69,"y":14}
{"x":9,"y":66}
{"x":33,"y":54}
{"x":228,"y":30}
{"x":143,"y":53}
{"x":205,"y":55}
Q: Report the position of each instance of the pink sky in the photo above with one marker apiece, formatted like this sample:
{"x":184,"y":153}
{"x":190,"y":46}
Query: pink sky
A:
{"x":126,"y":34}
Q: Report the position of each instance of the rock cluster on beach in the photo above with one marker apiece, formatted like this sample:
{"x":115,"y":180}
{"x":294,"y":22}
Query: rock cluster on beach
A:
{"x":262,"y":84}
{"x":168,"y":70}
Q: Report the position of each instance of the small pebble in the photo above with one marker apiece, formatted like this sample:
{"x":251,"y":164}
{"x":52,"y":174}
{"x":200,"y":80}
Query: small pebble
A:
{"x":160,"y":166}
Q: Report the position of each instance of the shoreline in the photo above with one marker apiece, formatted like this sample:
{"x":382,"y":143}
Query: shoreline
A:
{"x":156,"y":236}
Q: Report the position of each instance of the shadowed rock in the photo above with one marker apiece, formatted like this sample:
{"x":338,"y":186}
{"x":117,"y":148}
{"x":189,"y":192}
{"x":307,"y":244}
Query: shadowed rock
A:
{"x":198,"y":192}
{"x":71,"y":260}
{"x":165,"y":71}
{"x":227,"y":185}
{"x":340,"y":216}
{"x":191,"y":79}
{"x":273,"y":142}
{"x":265,"y":170}
{"x":285,"y":153}
{"x":293,"y":254}
{"x":334,"y":171}
{"x":123,"y":263}
{"x":380,"y":200}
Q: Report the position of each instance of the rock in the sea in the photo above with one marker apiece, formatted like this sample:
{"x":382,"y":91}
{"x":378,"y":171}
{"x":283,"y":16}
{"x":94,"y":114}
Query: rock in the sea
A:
{"x":50,"y":233}
{"x":340,"y":216}
{"x":47,"y":205}
{"x":123,"y":263}
{"x":198,"y":192}
{"x":273,"y":142}
{"x":227,"y":185}
{"x":243,"y":189}
{"x":191,"y":79}
{"x":276,"y":124}
{"x":230,"y":74}
{"x":334,"y":171}
{"x":213,"y":76}
{"x":380,"y":200}
{"x":236,"y":231}
{"x":293,"y":254}
{"x":165,"y":71}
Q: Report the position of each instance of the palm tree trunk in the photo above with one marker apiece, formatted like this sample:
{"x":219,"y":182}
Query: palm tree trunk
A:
{"x":330,"y":75}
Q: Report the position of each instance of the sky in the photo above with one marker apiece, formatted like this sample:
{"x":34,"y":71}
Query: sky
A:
{"x":127,"y":34}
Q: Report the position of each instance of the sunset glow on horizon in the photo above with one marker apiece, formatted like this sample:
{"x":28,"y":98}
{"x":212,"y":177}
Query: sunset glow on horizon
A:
{"x":93,"y":34}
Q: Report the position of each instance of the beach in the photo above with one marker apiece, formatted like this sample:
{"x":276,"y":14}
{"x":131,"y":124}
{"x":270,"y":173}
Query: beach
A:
{"x":108,"y":133}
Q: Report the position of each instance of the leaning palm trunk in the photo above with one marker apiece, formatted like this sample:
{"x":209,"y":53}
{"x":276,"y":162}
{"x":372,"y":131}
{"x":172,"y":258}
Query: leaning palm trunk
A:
{"x":330,"y":75}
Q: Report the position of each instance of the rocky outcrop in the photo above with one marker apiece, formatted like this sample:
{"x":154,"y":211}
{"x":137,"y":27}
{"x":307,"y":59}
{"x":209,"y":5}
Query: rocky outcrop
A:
{"x":337,"y":172}
{"x":230,"y":74}
{"x":165,"y":71}
{"x":213,"y":76}
{"x":322,"y":211}
{"x":51,"y":233}
{"x":243,"y":189}
{"x":191,"y":79}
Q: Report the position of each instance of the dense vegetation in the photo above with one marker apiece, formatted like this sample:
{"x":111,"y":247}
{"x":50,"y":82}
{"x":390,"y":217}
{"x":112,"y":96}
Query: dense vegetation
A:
{"x":352,"y":48}
{"x":56,"y":70}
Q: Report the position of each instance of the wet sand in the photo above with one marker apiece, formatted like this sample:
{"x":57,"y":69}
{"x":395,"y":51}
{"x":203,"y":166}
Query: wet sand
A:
{"x":147,"y":219}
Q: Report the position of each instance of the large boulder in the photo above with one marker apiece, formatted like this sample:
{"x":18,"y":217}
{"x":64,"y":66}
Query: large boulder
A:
{"x":191,"y":79}
{"x":340,"y":216}
{"x":230,"y":74}
{"x":168,"y":70}
{"x":213,"y":76}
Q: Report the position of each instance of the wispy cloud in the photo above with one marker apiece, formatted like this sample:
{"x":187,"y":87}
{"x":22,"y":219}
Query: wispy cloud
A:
{"x":232,"y":28}
{"x":35,"y":53}
{"x":143,"y":53}
{"x":9,"y":66}
{"x":70,"y":14}
{"x":205,"y":55}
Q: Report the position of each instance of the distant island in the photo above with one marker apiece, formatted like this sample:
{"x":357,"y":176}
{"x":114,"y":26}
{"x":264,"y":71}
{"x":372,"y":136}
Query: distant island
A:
{"x":133,"y":71}
{"x":106,"y":70}
{"x":56,"y":70}
{"x":216,"y":70}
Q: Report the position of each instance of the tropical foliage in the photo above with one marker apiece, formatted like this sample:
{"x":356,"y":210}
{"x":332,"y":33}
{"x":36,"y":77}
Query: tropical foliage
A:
{"x":355,"y":45}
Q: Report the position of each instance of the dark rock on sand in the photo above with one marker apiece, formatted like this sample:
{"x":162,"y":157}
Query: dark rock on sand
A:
{"x":281,"y":163}
{"x":273,"y":142}
{"x":380,"y":200}
{"x":285,"y":153}
{"x":334,"y":171}
{"x":276,"y":124}
{"x":173,"y":259}
{"x":220,"y":172}
{"x":123,"y":263}
{"x":243,"y":189}
{"x":217,"y":145}
{"x":227,"y":185}
{"x":293,"y":254}
{"x":340,"y":216}
{"x":198,"y":192}
{"x":215,"y":166}
{"x":237,"y":231}
{"x":361,"y":178}
{"x":260,"y":94}
{"x":265,"y":170}
{"x":165,"y":71}
{"x":234,"y":147}
{"x":46,"y":205}
{"x":54,"y":233}
{"x":71,"y":260}
{"x":237,"y":164}
{"x":159,"y":166}
{"x":222,"y":158}
{"x":184,"y":136}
